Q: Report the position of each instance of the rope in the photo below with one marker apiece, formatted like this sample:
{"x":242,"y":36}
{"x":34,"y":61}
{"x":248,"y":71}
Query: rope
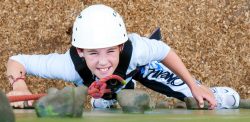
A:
{"x":97,"y":89}
{"x":25,"y":97}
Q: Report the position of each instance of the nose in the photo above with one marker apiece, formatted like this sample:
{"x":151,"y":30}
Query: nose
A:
{"x":103,"y":60}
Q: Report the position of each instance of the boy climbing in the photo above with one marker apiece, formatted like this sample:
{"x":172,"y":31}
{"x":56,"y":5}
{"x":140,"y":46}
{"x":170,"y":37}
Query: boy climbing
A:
{"x":101,"y":47}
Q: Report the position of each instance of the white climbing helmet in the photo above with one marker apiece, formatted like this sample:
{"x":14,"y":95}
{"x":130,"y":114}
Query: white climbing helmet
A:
{"x":98,"y":26}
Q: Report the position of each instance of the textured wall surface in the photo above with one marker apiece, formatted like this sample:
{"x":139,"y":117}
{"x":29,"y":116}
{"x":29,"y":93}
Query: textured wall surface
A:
{"x":211,"y":36}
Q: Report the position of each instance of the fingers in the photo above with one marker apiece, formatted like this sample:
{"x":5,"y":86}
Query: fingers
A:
{"x":30,"y":103}
{"x":22,"y":104}
{"x":25,"y":104}
{"x":17,"y":104}
{"x":212,"y":102}
{"x":209,"y":97}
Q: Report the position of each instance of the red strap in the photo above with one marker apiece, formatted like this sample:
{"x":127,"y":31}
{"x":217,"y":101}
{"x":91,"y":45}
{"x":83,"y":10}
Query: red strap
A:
{"x":15,"y":79}
{"x":25,"y":97}
{"x":98,"y":88}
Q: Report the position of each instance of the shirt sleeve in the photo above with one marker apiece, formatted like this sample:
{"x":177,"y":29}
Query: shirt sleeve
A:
{"x":147,"y":50}
{"x":53,"y":66}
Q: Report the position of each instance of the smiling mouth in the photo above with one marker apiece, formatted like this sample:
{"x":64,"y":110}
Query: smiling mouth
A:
{"x":103,"y":69}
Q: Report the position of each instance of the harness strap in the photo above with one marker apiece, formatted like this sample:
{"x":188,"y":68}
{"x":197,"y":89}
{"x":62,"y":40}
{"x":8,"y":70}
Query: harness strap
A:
{"x":156,"y":34}
{"x":81,"y":66}
{"x":124,"y":60}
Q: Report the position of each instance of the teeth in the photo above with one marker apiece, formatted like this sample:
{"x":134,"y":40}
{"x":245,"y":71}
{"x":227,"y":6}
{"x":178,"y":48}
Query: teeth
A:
{"x":104,"y":69}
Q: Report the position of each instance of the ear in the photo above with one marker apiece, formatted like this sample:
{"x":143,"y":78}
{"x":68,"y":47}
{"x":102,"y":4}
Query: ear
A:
{"x":80,"y":52}
{"x":121,"y":47}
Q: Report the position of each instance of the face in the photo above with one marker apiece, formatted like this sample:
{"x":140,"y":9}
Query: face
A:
{"x":101,"y":62}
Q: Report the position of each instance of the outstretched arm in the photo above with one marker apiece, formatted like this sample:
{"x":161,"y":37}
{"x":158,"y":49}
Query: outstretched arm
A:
{"x":174,"y":63}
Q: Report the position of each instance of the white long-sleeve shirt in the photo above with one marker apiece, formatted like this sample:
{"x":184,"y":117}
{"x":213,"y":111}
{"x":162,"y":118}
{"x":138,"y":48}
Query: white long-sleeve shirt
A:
{"x":60,"y":66}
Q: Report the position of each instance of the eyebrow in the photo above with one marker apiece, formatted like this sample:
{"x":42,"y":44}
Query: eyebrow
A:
{"x":112,"y":48}
{"x":94,"y":50}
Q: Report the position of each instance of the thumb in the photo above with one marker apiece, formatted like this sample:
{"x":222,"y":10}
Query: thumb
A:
{"x":10,"y":93}
{"x":200,"y":102}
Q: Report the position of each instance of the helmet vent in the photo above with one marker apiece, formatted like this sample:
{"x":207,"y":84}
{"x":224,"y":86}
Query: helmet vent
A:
{"x":80,"y":16}
{"x":114,"y":13}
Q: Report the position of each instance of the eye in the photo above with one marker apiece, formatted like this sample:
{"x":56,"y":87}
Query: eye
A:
{"x":111,"y":51}
{"x":93,"y":53}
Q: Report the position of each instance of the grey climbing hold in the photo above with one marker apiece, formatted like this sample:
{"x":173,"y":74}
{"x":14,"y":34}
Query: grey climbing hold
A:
{"x":68,"y":102}
{"x":6,"y":112}
{"x":133,"y":101}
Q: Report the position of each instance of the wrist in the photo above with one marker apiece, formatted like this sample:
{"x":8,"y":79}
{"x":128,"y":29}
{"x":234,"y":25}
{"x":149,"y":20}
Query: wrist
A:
{"x":193,"y":86}
{"x":17,"y":82}
{"x":19,"y":85}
